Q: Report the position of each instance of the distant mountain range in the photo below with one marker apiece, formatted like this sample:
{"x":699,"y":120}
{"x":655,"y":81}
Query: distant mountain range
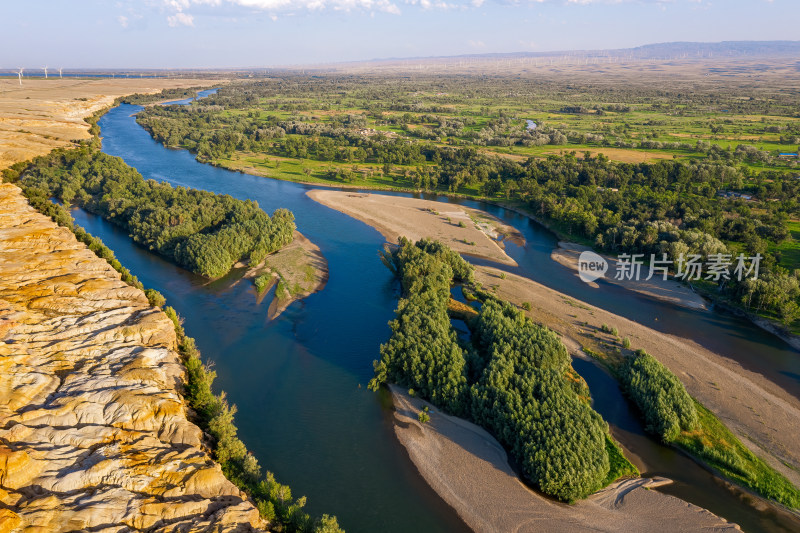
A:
{"x":661,"y":51}
{"x":722,"y":49}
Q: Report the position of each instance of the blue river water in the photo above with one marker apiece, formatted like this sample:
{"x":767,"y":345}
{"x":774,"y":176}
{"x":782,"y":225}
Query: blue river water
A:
{"x":300,"y":381}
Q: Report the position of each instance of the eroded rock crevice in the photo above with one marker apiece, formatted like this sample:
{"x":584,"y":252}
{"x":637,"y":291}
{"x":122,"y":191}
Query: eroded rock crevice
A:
{"x":95,"y":434}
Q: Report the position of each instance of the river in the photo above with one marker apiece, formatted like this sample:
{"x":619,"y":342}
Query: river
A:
{"x":300,"y":381}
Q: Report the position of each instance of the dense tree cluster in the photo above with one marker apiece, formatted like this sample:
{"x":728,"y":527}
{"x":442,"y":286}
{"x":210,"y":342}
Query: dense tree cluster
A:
{"x":423,"y":352}
{"x":512,"y":380}
{"x":204,"y":232}
{"x":525,"y":400}
{"x":661,"y":397}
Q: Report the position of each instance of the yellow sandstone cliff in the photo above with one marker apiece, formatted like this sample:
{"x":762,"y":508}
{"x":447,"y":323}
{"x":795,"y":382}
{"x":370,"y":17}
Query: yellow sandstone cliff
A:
{"x":94,"y":433}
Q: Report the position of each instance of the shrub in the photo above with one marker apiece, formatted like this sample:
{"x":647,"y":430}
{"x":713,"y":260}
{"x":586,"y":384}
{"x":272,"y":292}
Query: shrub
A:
{"x":155,"y":298}
{"x":423,"y":416}
{"x":262,"y":281}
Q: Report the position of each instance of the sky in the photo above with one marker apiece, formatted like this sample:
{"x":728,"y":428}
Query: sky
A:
{"x":272,"y":33}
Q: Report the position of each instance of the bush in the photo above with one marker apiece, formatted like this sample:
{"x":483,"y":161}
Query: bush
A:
{"x":262,"y":282}
{"x":155,"y":298}
{"x":423,"y":416}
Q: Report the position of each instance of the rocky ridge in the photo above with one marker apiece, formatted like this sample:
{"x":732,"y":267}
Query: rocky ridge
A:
{"x":94,"y":432}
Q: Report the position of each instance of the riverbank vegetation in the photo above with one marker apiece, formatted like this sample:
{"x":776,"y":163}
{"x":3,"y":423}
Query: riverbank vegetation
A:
{"x":179,"y":93}
{"x":514,"y":378}
{"x":661,"y":397}
{"x":672,"y":415}
{"x":203,"y":232}
{"x":297,"y":270}
{"x":273,"y":500}
{"x":625,"y":168}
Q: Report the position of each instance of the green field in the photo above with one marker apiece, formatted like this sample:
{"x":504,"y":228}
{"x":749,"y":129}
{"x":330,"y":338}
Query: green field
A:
{"x":790,"y":249}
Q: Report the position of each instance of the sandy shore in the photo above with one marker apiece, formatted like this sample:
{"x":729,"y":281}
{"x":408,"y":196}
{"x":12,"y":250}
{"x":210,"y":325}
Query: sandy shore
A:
{"x":302,"y":267}
{"x":414,"y":218}
{"x":763,"y":415}
{"x":41,"y":115}
{"x":667,"y":290}
{"x":469,"y":469}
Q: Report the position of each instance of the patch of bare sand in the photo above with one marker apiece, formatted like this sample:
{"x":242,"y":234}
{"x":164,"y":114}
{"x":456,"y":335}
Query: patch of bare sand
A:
{"x":469,"y":469}
{"x":302,"y":268}
{"x":41,"y":115}
{"x":762,"y":414}
{"x":467,"y":231}
{"x":668,"y":290}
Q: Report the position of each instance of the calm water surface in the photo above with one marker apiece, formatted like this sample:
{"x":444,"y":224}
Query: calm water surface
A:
{"x":300,"y":381}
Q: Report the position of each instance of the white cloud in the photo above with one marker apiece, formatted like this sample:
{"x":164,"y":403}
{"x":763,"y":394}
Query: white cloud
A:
{"x":123,"y":21}
{"x":275,"y":6}
{"x":180,"y":19}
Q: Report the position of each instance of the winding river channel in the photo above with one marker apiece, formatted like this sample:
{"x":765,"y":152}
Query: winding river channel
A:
{"x":299,"y":381}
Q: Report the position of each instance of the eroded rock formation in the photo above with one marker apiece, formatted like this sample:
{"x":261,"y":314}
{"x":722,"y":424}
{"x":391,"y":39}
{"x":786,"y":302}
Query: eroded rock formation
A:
{"x":93,"y":430}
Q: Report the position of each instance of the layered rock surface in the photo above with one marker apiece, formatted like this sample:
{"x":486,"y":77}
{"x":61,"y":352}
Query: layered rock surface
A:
{"x":94,"y":433}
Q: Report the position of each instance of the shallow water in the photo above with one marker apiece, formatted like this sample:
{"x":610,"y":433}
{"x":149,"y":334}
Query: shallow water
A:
{"x":300,"y":381}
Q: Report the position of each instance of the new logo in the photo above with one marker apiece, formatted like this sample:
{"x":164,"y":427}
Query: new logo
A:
{"x":591,"y":266}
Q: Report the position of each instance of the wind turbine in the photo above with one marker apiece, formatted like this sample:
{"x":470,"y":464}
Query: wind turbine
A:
{"x":45,"y":72}
{"x":20,"y":74}
{"x":59,"y":72}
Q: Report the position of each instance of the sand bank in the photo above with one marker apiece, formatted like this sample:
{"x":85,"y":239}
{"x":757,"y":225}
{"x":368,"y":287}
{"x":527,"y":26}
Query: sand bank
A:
{"x":763,"y":415}
{"x":469,"y":469}
{"x":667,"y":290}
{"x":467,"y":231}
{"x":302,"y":268}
